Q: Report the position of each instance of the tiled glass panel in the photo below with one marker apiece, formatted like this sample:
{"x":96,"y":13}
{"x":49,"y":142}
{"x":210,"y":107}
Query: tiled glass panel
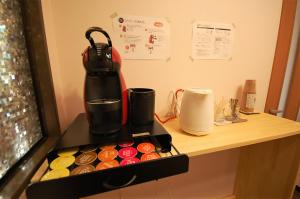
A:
{"x":19,"y":121}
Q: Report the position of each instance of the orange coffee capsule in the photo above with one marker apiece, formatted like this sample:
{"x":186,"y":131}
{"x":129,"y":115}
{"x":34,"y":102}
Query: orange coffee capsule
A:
{"x":145,"y":147}
{"x":83,"y":169}
{"x":106,"y":155}
{"x":108,"y":147}
{"x":107,"y":164}
{"x":86,"y":158}
{"x":149,"y":156}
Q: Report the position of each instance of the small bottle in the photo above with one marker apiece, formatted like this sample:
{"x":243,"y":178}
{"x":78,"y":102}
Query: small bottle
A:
{"x":249,"y":96}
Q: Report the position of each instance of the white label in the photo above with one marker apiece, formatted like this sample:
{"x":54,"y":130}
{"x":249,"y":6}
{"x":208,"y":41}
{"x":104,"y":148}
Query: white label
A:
{"x":138,"y":37}
{"x":250,"y":102}
{"x":212,"y":40}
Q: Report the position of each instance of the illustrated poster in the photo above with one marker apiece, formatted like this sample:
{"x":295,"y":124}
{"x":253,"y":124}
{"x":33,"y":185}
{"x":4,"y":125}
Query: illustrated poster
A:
{"x":139,"y":37}
{"x":212,"y":40}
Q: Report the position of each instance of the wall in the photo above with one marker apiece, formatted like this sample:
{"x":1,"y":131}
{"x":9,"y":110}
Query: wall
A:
{"x":256,"y":30}
{"x":254,"y":44}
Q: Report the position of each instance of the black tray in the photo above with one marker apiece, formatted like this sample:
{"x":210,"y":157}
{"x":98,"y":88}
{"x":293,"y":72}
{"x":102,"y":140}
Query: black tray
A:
{"x":170,"y":163}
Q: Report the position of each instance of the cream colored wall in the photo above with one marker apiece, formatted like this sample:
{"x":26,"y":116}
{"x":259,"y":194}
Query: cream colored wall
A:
{"x":256,"y":21}
{"x":256,"y":24}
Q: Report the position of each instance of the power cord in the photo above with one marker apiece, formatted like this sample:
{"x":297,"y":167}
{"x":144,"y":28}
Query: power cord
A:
{"x":173,"y":110}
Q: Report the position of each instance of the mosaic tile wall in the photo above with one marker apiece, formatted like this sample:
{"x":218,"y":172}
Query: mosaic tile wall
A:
{"x":19,"y":122}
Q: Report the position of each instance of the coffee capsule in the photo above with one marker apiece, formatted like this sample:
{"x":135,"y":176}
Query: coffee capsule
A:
{"x":126,"y":144}
{"x":56,"y":173}
{"x":127,"y":152}
{"x":67,"y":152}
{"x":62,"y":162}
{"x":129,"y":161}
{"x":107,"y":164}
{"x":83,"y":169}
{"x":108,"y":147}
{"x":145,"y":147}
{"x":149,"y":156}
{"x":86,"y":158}
{"x":89,"y":148}
{"x":107,"y":155}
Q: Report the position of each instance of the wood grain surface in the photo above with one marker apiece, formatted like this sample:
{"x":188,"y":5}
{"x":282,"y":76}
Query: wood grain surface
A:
{"x":259,"y":128}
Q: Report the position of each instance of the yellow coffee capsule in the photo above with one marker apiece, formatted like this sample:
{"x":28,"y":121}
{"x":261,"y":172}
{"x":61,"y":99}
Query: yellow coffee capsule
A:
{"x":62,"y":162}
{"x":56,"y":173}
{"x":68,"y":152}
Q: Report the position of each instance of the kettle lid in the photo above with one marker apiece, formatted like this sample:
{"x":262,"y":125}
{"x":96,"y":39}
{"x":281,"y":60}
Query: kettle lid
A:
{"x":199,"y":91}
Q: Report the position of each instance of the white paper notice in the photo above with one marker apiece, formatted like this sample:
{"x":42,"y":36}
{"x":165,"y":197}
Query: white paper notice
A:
{"x":142,"y":37}
{"x":212,"y":41}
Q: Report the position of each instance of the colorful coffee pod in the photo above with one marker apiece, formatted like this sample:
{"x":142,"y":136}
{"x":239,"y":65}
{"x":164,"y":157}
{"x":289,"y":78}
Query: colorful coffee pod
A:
{"x":126,"y":144}
{"x":56,"y":173}
{"x":67,"y":152}
{"x":86,"y":158}
{"x":149,"y":156}
{"x":127,"y":152}
{"x":129,"y":161}
{"x":146,"y":147}
{"x":107,"y":155}
{"x":89,"y":148}
{"x":62,"y":162}
{"x":107,"y":164}
{"x":108,"y":147}
{"x":83,"y":169}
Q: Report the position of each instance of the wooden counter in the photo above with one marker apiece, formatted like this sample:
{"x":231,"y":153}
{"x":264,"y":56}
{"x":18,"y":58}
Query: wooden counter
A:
{"x":269,"y":156}
{"x":259,"y":128}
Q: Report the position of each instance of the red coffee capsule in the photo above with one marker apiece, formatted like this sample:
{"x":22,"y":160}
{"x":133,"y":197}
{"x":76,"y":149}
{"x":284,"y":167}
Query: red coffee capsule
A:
{"x":145,"y":147}
{"x":126,"y":144}
{"x":127,"y":152}
{"x":129,"y":161}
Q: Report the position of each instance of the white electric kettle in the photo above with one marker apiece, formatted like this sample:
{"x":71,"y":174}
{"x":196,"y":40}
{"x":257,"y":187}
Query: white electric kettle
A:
{"x":197,"y":111}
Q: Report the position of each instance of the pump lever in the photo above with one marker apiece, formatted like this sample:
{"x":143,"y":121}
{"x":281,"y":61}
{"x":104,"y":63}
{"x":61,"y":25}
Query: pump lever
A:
{"x":97,"y":29}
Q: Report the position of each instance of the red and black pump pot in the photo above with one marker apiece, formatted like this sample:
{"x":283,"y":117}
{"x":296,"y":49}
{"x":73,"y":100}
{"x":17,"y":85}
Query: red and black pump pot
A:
{"x":105,"y":92}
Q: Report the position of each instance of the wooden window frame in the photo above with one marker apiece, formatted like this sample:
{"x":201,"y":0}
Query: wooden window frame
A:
{"x":19,"y":176}
{"x":293,"y":98}
{"x":281,"y":56}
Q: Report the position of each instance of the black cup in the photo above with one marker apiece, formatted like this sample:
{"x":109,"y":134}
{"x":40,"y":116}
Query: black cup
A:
{"x":141,"y":106}
{"x":105,"y":115}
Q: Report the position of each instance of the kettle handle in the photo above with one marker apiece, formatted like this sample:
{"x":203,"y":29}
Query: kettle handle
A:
{"x":97,"y":29}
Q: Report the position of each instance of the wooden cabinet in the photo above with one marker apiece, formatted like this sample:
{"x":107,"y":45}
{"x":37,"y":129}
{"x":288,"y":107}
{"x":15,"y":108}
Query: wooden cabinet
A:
{"x":269,"y":156}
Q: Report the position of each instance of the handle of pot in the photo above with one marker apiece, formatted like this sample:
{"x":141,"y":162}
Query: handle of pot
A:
{"x":177,"y":105}
{"x":178,"y":91}
{"x":97,"y":29}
